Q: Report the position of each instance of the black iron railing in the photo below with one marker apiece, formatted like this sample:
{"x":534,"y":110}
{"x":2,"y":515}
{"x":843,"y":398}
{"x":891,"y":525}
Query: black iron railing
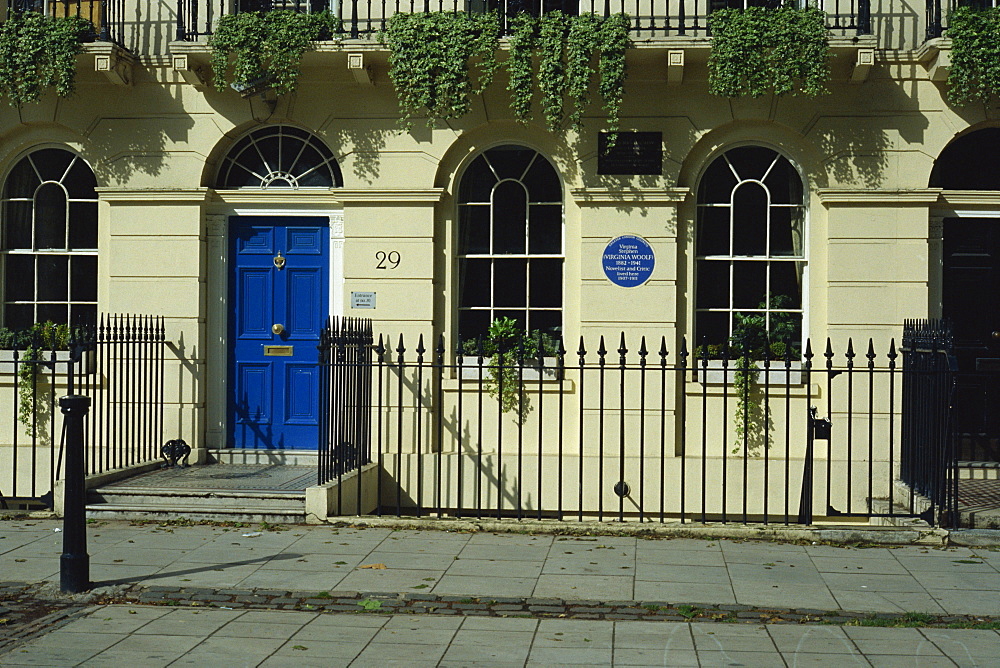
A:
{"x":930,"y":463}
{"x":119,"y":364}
{"x":938,"y":11}
{"x":107,"y":16}
{"x":639,"y":433}
{"x":345,"y":359}
{"x":366,"y":18}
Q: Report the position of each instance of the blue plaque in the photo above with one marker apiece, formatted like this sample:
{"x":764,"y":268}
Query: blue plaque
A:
{"x":628,"y":261}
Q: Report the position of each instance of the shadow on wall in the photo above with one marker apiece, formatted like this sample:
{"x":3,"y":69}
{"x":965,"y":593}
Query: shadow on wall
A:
{"x":118,"y":148}
{"x":361,"y":147}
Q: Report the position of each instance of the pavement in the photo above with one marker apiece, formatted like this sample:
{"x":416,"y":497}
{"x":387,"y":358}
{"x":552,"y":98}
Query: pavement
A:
{"x":263,"y":595}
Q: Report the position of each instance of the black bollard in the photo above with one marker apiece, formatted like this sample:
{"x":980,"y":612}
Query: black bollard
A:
{"x":74,"y":565}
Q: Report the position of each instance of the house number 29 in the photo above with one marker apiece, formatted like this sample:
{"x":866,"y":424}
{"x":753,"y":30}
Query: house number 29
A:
{"x":388,"y":260}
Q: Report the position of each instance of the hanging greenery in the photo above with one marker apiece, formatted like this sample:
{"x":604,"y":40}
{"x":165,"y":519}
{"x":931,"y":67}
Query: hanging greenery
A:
{"x":267,"y":46}
{"x":975,"y":55}
{"x":429,"y":54}
{"x":33,"y":344}
{"x":39,"y":52}
{"x":758,"y":50}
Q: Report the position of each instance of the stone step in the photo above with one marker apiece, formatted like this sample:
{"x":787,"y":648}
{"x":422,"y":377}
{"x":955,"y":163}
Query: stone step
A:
{"x":979,"y":470}
{"x":122,"y":502}
{"x":263,"y":457}
{"x":108,"y":511}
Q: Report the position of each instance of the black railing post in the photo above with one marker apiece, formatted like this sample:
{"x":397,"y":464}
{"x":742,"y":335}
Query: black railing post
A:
{"x":74,"y":565}
{"x":933,"y":19}
{"x":864,"y":17}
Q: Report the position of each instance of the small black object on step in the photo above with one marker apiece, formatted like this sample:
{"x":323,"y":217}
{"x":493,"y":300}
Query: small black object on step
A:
{"x":174,"y":451}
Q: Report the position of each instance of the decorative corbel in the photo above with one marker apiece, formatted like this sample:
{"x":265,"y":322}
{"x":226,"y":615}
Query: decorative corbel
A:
{"x":862,"y":65}
{"x":118,"y":70}
{"x":191,"y":73}
{"x":675,"y":66}
{"x":940,"y":65}
{"x":362,"y":73}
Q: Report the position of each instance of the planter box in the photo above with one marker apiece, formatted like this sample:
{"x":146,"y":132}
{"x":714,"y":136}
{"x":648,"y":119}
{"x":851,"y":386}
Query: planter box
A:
{"x":776,"y":376}
{"x":530,"y":373}
{"x":88,"y":361}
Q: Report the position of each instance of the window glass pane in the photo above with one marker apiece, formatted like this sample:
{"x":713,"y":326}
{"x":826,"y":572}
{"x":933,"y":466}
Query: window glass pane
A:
{"x":473,"y":229}
{"x":83,"y":225}
{"x":510,"y":215}
{"x":713,"y":284}
{"x":50,"y":217}
{"x":54,"y":312}
{"x":237,"y":177}
{"x":474,"y":282}
{"x":477,"y":182}
{"x":269,"y":147}
{"x":19,"y":278}
{"x":546,"y":283}
{"x":17,"y":225}
{"x":510,"y":162}
{"x":82,"y":314}
{"x":549,"y":322}
{"x":520,"y":316}
{"x":750,"y":220}
{"x":309,"y":158}
{"x":545,"y":228}
{"x":252,"y":162}
{"x":18,"y":316}
{"x":749,"y":285}
{"x":713,"y":230}
{"x":711,"y":328}
{"x":473,"y":324}
{"x":786,"y":231}
{"x":749,"y":334}
{"x":83,"y":278}
{"x":53,"y":275}
{"x":784,"y":183}
{"x":318,"y":178}
{"x":51,"y":163}
{"x":80,"y":182}
{"x":510,"y":283}
{"x":751,"y":162}
{"x":22,"y":180}
{"x":717,"y":184}
{"x":543,"y":182}
{"x":292,"y":131}
{"x":786,"y":284}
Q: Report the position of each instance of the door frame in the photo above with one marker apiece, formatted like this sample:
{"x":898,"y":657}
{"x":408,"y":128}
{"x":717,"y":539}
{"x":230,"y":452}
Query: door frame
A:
{"x":216,"y":343}
{"x":971,"y":205}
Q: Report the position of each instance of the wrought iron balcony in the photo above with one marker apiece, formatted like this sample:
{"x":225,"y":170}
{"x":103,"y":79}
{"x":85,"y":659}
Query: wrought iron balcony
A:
{"x":108,"y":16}
{"x":650,"y":18}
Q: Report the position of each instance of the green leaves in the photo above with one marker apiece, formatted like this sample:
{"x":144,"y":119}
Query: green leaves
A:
{"x":38,"y":52}
{"x":975,"y":55}
{"x":565,"y":47}
{"x":429,"y":61}
{"x":266,"y":45}
{"x":759,"y":50}
{"x":430,"y":55}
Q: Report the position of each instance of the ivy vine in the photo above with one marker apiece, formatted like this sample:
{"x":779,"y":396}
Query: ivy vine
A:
{"x":33,"y":343}
{"x":975,"y":55}
{"x":429,"y":54}
{"x":266,"y":45}
{"x":39,"y":52}
{"x":759,"y":50}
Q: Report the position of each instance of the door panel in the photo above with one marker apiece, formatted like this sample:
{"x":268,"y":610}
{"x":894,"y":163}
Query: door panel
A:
{"x":274,"y":393}
{"x":971,"y":300}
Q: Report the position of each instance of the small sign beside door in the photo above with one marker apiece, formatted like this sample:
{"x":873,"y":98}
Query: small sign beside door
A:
{"x":363,"y":300}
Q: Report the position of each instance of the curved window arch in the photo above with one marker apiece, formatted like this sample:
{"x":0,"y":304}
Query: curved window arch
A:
{"x":48,"y":240}
{"x":279,"y":156}
{"x":750,"y":254}
{"x":961,"y":167}
{"x":510,"y":242}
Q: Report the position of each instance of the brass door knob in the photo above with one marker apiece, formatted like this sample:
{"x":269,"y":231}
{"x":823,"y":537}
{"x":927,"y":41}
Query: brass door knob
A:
{"x":995,"y":336}
{"x":277,"y":328}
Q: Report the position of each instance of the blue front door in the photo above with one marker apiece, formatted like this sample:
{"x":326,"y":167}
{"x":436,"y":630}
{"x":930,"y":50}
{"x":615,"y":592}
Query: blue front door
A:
{"x":278,"y":297}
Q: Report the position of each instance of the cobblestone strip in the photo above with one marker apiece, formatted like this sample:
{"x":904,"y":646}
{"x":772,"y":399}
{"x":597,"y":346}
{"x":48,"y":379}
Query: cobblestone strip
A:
{"x":418,"y":603}
{"x":24,"y":614}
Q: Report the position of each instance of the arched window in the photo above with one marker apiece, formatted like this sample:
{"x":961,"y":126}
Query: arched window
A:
{"x":279,"y":156}
{"x":510,"y":242}
{"x":750,"y":248}
{"x":48,"y":240}
{"x":961,"y":167}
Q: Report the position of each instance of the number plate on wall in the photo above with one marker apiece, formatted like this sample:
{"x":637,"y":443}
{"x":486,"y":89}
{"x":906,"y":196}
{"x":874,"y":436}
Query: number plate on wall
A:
{"x":278,"y":351}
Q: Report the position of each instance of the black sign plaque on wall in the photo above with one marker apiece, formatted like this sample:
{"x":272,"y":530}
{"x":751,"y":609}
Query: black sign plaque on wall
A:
{"x":634,"y":154}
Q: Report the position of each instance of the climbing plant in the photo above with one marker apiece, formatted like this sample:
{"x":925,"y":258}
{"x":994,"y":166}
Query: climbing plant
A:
{"x":33,"y":344}
{"x":266,"y":45}
{"x":759,"y":50}
{"x":39,"y":52}
{"x":429,"y":55}
{"x":975,"y":54}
